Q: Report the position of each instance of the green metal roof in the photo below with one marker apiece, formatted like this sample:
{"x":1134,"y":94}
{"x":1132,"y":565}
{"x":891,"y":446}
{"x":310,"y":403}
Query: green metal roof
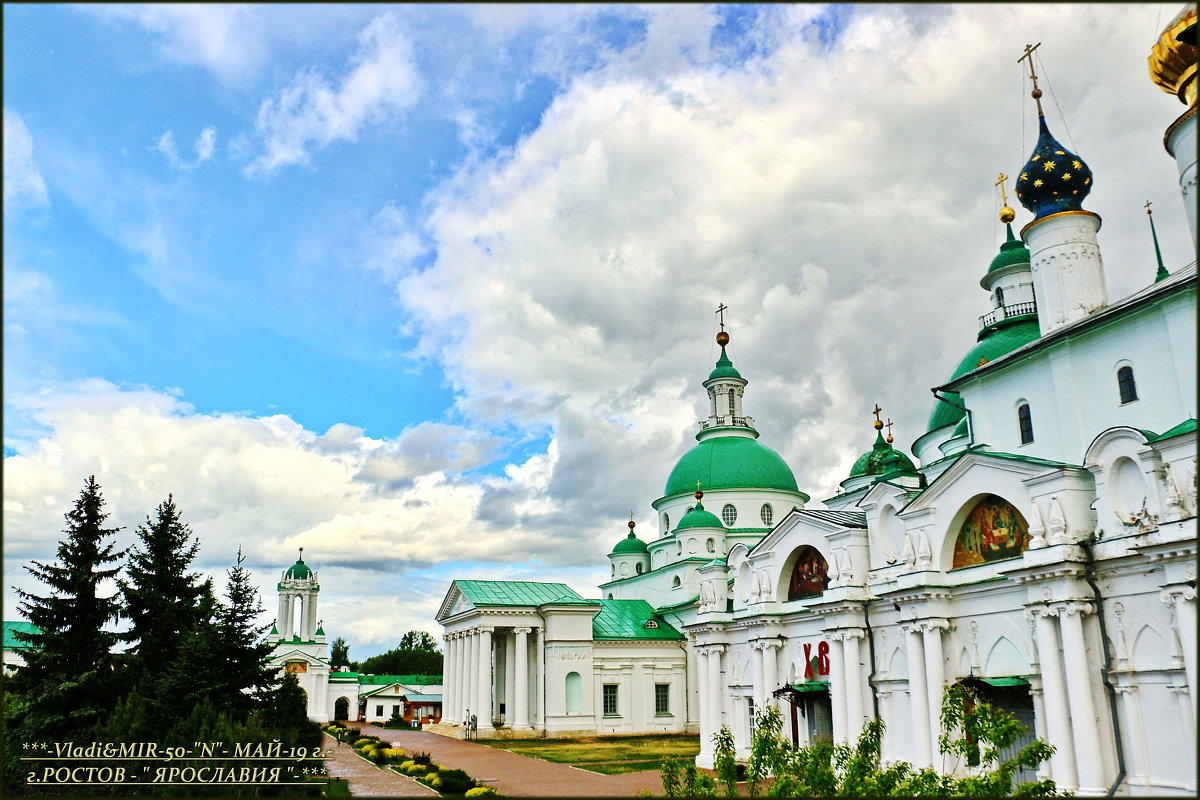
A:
{"x":299,"y":570}
{"x":730,"y":462}
{"x":1187,"y":426}
{"x":515,"y":593}
{"x":11,"y":628}
{"x":343,"y":675}
{"x":387,"y":680}
{"x":997,"y":341}
{"x":699,"y":517}
{"x":685,"y":604}
{"x":1011,"y":252}
{"x":630,"y":544}
{"x":626,"y":619}
{"x":1043,"y":462}
{"x":724,"y":368}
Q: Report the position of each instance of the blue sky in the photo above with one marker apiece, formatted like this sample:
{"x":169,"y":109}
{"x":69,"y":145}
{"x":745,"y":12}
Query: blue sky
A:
{"x":428,"y":289}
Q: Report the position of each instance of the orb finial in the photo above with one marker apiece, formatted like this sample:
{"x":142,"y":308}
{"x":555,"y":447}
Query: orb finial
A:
{"x":878,"y":422}
{"x":890,"y":439}
{"x":632,"y":524}
{"x":699,"y":493}
{"x":722,"y":335}
{"x":1036,"y":94}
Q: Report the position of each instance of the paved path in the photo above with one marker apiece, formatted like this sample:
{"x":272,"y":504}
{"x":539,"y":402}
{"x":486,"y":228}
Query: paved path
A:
{"x":368,"y":780}
{"x":511,"y":774}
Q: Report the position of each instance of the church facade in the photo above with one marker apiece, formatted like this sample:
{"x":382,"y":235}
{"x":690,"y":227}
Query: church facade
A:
{"x":1041,"y":545}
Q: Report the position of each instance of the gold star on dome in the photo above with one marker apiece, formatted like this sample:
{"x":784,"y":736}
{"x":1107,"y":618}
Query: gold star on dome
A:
{"x":1076,"y":164}
{"x":1075,"y":192}
{"x":1035,"y":158}
{"x":1086,"y":181}
{"x":1059,"y":152}
{"x":1024,"y":176}
{"x":1048,"y":166}
{"x":1066,"y":176}
{"x":1038,"y":182}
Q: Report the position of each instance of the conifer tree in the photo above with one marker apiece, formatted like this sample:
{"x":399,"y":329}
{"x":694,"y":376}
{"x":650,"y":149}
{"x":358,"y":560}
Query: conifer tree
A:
{"x":240,"y":648}
{"x":162,"y":598}
{"x":339,"y":652}
{"x":69,"y":669}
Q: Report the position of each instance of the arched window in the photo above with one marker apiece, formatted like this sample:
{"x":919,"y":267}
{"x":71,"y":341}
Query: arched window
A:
{"x":767,"y":513}
{"x":690,"y":510}
{"x":666,"y":524}
{"x":992,"y":531}
{"x":999,"y":297}
{"x":639,"y":568}
{"x":574,"y":692}
{"x":1126,"y":385}
{"x":675,"y":583}
{"x":1025,"y":423}
{"x":810,"y":575}
{"x":729,"y":515}
{"x":711,"y":545}
{"x":731,"y":405}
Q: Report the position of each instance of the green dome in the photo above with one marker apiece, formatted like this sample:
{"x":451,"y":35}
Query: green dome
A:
{"x":299,"y":570}
{"x":630,"y":544}
{"x":730,"y":462}
{"x":881,"y":458}
{"x":699,"y":518}
{"x":724,"y":368}
{"x":998,"y":341}
{"x":1011,"y":252}
{"x":960,"y":429}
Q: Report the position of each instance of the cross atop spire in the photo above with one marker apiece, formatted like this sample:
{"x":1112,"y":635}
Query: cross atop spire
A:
{"x":1036,"y":94}
{"x":889,"y":427}
{"x":1006,"y":213}
{"x":721,"y":309}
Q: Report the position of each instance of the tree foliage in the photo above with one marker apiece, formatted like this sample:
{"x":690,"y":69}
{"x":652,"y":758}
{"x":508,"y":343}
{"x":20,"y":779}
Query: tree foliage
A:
{"x":421,"y":641}
{"x":339,"y":653}
{"x":417,"y":654}
{"x":975,"y":733}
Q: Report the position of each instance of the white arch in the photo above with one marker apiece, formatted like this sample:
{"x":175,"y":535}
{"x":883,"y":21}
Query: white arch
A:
{"x":1005,"y":659}
{"x":1150,"y":650}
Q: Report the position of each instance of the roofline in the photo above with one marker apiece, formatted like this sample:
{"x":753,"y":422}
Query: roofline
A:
{"x":1153,"y":292}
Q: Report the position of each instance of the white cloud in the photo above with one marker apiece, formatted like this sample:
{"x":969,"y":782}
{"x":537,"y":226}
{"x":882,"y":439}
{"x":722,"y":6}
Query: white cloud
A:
{"x":206,"y":144}
{"x":23,"y":182}
{"x":379,"y":81}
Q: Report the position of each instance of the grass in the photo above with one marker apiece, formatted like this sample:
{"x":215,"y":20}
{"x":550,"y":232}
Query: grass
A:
{"x":608,"y":755}
{"x":338,"y":787}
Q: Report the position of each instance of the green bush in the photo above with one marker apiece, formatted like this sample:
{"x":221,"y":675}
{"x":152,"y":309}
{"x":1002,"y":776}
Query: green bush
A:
{"x":454,"y":781}
{"x":422,"y":758}
{"x":482,"y":791}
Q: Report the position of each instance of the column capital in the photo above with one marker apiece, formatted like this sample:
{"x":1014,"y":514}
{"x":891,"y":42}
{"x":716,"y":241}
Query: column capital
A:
{"x":934,"y":624}
{"x":763,"y":644}
{"x":1177,"y":689}
{"x":485,"y":628}
{"x":1032,"y":613}
{"x":1125,"y":688}
{"x":1072,"y":607}
{"x":1177,"y":594}
{"x":851,"y":633}
{"x":523,"y":629}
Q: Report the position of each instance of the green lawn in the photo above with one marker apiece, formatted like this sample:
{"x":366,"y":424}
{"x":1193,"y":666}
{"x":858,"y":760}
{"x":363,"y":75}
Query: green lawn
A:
{"x":608,"y":755}
{"x":338,"y":787}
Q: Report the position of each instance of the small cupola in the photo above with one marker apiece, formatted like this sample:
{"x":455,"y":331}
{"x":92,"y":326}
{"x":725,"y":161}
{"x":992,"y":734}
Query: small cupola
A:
{"x":699,"y":517}
{"x":630,"y":556}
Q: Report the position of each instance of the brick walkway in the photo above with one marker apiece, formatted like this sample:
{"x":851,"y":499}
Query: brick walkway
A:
{"x":512,"y":775}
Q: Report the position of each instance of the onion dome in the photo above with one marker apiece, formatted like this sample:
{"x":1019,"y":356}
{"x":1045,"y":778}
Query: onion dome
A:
{"x":724,"y":368}
{"x":896,"y":462}
{"x":299,"y":570}
{"x":1012,"y":252}
{"x":698,"y":517}
{"x":630,"y":544}
{"x":730,"y":462}
{"x":871,"y":462}
{"x":1054,"y":179}
{"x":1172,"y":62}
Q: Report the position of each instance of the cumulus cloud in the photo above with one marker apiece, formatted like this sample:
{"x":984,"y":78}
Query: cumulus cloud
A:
{"x":23,"y":182}
{"x":378,"y":82}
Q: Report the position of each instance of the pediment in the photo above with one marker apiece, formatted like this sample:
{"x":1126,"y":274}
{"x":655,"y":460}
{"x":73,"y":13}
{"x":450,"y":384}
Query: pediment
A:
{"x":1003,"y":466}
{"x":454,"y":603}
{"x":802,"y":528}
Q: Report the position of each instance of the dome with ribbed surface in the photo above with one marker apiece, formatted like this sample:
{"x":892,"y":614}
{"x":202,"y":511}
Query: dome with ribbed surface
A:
{"x":730,"y":462}
{"x":698,"y":517}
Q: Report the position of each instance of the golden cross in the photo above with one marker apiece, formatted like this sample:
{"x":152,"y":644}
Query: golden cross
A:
{"x":889,"y":427}
{"x":876,"y":411}
{"x":1147,"y":207}
{"x":1036,"y":93}
{"x":721,"y":309}
{"x":631,"y":516}
{"x":1000,"y":179}
{"x":697,"y":486}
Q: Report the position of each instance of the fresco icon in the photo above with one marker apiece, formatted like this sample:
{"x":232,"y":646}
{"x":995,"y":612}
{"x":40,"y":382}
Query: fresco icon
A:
{"x":993,"y":531}
{"x":810,"y":575}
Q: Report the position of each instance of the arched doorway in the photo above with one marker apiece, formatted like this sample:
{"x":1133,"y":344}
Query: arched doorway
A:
{"x":341,"y":709}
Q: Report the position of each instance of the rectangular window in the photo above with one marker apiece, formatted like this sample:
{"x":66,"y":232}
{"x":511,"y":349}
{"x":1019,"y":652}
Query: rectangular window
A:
{"x":395,"y":711}
{"x":379,"y":711}
{"x":610,"y":700}
{"x":662,"y":698}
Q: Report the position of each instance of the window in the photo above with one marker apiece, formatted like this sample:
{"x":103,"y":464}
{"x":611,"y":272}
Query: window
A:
{"x":1126,"y":385}
{"x":666,"y":524}
{"x":1025,"y":422}
{"x":999,"y":296}
{"x":729,"y":514}
{"x":675,"y":583}
{"x":639,"y":568}
{"x":610,"y":699}
{"x":395,"y":711}
{"x":810,"y":574}
{"x":379,"y":711}
{"x":767,"y":513}
{"x":690,"y":510}
{"x":711,"y":545}
{"x":750,"y":708}
{"x":662,"y":698}
{"x":731,"y":404}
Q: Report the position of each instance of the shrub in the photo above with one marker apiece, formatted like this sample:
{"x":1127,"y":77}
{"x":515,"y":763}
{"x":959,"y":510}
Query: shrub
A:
{"x":454,"y":781}
{"x":482,"y":791}
{"x":394,"y":754}
{"x":404,"y":765}
{"x":417,"y":770}
{"x":422,"y":758}
{"x":364,"y":741}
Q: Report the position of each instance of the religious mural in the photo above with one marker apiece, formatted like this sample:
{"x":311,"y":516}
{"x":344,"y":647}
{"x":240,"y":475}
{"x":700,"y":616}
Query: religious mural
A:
{"x":810,"y":575}
{"x":993,"y":531}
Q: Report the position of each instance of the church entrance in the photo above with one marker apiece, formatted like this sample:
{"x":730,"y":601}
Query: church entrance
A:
{"x":341,"y":709}
{"x":817,"y":708}
{"x":1012,"y":696}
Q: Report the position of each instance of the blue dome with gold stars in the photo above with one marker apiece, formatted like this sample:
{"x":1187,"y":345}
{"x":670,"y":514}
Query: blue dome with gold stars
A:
{"x":1054,"y":179}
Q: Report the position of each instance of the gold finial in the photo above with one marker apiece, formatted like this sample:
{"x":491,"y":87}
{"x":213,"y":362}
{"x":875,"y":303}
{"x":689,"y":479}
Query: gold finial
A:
{"x":1007,"y":215}
{"x":889,"y":427}
{"x":699,"y":493}
{"x":632,"y":524}
{"x":878,"y":422}
{"x":722,"y":336}
{"x":1147,"y":207}
{"x":1036,"y":94}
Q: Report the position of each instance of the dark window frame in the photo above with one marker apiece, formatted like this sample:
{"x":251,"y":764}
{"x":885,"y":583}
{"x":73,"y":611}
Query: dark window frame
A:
{"x":1025,"y":423}
{"x":662,"y":698}
{"x":609,"y":700}
{"x":1127,"y":385}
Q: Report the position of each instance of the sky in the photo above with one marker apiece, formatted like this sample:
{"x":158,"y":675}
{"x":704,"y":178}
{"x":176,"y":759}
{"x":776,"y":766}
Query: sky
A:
{"x":429,"y":290}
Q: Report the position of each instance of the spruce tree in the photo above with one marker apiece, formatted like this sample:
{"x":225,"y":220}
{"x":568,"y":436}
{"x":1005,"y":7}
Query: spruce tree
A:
{"x":339,"y":653}
{"x":241,"y":649}
{"x":162,"y":598}
{"x":69,"y":670}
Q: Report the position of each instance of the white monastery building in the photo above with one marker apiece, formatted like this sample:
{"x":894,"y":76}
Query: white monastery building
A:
{"x":1041,"y":545}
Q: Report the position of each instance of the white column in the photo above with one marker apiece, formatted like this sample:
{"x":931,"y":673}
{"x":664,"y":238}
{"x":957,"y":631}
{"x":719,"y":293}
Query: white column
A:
{"x":1058,"y":716}
{"x":1187,"y":724}
{"x":471,"y":675}
{"x":770,"y":671}
{"x":483,"y":701}
{"x":521,"y":699}
{"x":448,"y":676}
{"x":1039,"y":723}
{"x":460,"y":680}
{"x":1088,"y":756}
{"x":887,"y":743}
{"x":1139,"y":767}
{"x":716,"y":692}
{"x":510,"y":677}
{"x":920,"y":702}
{"x":285,"y":616}
{"x":702,"y":669}
{"x":760,"y":677}
{"x":1183,"y":600}
{"x":854,"y":693}
{"x":837,"y":686}
{"x":282,"y":611}
{"x":935,"y":673}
